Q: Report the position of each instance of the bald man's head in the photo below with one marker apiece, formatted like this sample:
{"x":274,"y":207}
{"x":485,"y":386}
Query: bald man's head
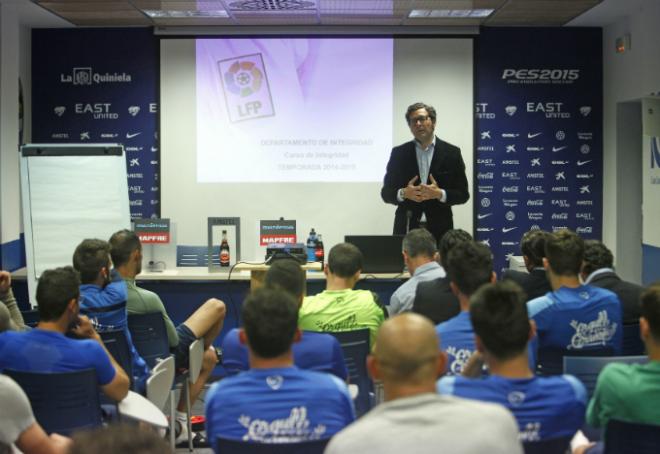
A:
{"x":407,"y":350}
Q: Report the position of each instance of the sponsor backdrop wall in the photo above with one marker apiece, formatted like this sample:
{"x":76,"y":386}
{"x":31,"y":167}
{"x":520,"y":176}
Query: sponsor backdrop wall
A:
{"x":539,"y":135}
{"x":101,"y":86}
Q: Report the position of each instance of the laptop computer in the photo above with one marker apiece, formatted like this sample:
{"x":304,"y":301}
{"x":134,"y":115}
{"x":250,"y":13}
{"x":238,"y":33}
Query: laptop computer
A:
{"x":382,"y":253}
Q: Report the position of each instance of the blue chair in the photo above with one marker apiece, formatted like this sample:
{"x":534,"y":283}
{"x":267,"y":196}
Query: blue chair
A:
{"x":587,"y":368}
{"x":226,"y":446}
{"x":631,"y":438}
{"x":550,"y":360}
{"x":149,"y":336}
{"x":355,"y":345}
{"x":62,"y":402}
{"x":30,"y":318}
{"x":559,"y":445}
{"x":116,"y":343}
{"x":632,"y":342}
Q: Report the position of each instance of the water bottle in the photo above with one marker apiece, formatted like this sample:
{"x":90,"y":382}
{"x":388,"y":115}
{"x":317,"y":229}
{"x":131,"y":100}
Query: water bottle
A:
{"x":318,"y":251}
{"x":311,"y":246}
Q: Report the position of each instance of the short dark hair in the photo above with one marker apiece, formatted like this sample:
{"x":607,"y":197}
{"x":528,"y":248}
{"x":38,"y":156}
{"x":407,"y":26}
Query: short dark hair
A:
{"x":56,"y":287}
{"x":564,"y":250}
{"x":499,"y":317}
{"x":532,"y":245}
{"x":651,"y":309}
{"x":449,"y":240}
{"x":344,"y":260}
{"x":469,"y":266}
{"x":89,"y":257}
{"x":118,"y":438}
{"x":420,"y":105}
{"x":270,"y":319}
{"x":596,"y":256}
{"x":287,"y":275}
{"x":122,"y":245}
{"x":420,"y":242}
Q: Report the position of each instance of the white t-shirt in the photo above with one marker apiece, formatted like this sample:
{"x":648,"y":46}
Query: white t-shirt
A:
{"x":16,"y":415}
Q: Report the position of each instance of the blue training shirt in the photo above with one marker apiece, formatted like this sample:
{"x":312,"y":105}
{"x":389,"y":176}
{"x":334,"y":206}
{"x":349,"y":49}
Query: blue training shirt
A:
{"x":545,"y":407}
{"x":106,"y":309}
{"x":316,"y":351}
{"x":582,"y":318}
{"x":279,"y":405}
{"x":456,"y":337}
{"x":44,"y":351}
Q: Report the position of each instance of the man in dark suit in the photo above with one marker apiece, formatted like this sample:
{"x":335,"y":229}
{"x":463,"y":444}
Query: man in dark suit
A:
{"x":424,"y":177}
{"x":598,"y":270}
{"x":435,"y":299}
{"x":535,"y":282}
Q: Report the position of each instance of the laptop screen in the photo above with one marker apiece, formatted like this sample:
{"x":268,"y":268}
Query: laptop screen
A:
{"x":382,"y":253}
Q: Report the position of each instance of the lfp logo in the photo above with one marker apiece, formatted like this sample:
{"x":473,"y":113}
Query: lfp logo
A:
{"x":246,"y":87}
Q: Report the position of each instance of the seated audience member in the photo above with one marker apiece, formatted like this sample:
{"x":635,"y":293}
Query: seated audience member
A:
{"x":470,"y":265}
{"x":10,"y":314}
{"x":419,"y":255}
{"x":414,"y":418}
{"x":18,"y":426}
{"x":119,"y":438}
{"x":535,"y":282}
{"x":205,"y":323}
{"x":274,"y":401}
{"x":574,"y":316}
{"x":631,"y":392}
{"x":103,"y":299}
{"x":434,"y":298}
{"x":598,"y":270}
{"x":315,"y":351}
{"x":47,"y":349}
{"x":339,"y":307}
{"x":545,"y":407}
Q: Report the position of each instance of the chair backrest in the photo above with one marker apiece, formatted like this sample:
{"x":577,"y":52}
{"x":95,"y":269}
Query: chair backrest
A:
{"x":551,"y":360}
{"x":632,"y":342}
{"x":195,"y":358}
{"x":225,"y":446}
{"x":559,"y":445}
{"x":30,"y":318}
{"x":631,"y":438}
{"x":149,"y":336}
{"x":587,"y":368}
{"x":62,"y":402}
{"x":117,"y":344}
{"x":355,"y":345}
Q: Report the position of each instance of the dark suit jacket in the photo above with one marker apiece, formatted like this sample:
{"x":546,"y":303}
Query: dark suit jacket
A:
{"x":435,"y":300}
{"x":448,"y":169}
{"x":629,"y":294}
{"x":534,"y":284}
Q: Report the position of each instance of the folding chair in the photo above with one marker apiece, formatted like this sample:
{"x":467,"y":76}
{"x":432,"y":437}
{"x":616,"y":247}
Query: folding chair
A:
{"x":355,"y":345}
{"x":30,"y":318}
{"x":631,"y":438}
{"x":150,"y":340}
{"x":116,"y":343}
{"x":550,"y":360}
{"x":62,"y":402}
{"x":559,"y":445}
{"x":226,"y":446}
{"x":632,"y":342}
{"x":587,"y":368}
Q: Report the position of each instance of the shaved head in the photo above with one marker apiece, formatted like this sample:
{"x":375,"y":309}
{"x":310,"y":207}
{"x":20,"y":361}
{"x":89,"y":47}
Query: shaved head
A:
{"x":407,"y":350}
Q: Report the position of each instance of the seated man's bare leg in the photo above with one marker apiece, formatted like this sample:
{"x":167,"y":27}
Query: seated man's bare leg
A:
{"x":206,"y":322}
{"x":209,"y":361}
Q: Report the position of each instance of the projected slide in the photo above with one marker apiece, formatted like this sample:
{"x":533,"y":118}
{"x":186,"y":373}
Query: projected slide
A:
{"x":293,"y":110}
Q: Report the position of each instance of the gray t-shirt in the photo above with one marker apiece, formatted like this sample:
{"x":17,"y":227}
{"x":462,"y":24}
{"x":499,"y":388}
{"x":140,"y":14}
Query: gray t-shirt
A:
{"x":16,"y":415}
{"x":429,"y":424}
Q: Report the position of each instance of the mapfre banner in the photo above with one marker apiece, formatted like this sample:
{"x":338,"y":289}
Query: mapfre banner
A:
{"x":539,"y":138}
{"x":100,"y":86}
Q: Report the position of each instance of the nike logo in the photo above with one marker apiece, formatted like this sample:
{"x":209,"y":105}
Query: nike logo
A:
{"x":557,"y":148}
{"x":581,"y":163}
{"x":481,"y":216}
{"x":130,"y":136}
{"x":531,"y":136}
{"x":508,"y":229}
